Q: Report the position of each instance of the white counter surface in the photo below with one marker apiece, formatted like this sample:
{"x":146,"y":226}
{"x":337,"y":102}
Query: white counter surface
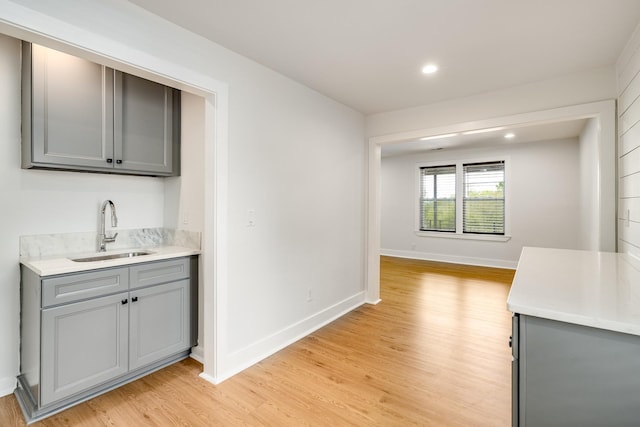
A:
{"x":49,"y":266}
{"x":597,"y":289}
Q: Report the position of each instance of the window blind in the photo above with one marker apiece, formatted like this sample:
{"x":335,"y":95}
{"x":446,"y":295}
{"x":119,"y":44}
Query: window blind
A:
{"x":438,"y":198}
{"x":483,"y":199}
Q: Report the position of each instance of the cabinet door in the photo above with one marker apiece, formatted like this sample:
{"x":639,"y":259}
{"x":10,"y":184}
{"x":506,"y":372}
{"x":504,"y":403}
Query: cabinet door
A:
{"x":143,"y":125}
{"x":71,"y":114}
{"x":574,"y":375}
{"x":159,"y":322}
{"x":84,"y":344}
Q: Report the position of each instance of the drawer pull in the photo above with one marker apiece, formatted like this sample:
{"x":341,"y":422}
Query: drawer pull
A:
{"x":134,"y":299}
{"x":124,"y":301}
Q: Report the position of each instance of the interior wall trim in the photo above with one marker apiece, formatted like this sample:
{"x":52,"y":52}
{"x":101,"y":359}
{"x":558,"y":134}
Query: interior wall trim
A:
{"x":453,"y":259}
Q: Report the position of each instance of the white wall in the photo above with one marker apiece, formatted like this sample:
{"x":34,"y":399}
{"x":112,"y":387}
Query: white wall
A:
{"x":295,"y":157}
{"x":184,"y":195}
{"x":543,"y":191}
{"x":589,"y":180}
{"x":184,"y":204}
{"x":628,"y":69}
{"x":297,"y":161}
{"x":43,"y":202}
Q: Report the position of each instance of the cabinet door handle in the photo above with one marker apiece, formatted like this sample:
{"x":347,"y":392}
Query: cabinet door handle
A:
{"x":119,"y":161}
{"x":134,"y":299}
{"x":109,"y":160}
{"x":124,"y":301}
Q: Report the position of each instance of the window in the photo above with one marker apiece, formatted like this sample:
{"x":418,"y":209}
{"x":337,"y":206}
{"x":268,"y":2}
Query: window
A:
{"x":463,"y":199}
{"x":438,"y":198}
{"x":483,"y":202}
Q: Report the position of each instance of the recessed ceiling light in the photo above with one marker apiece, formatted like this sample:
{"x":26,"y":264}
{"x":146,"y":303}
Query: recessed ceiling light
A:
{"x":429,"y":69}
{"x":510,"y":135}
{"x":446,"y":135}
{"x":472,"y":132}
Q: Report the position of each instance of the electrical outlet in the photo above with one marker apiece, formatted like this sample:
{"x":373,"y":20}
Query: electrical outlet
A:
{"x":309,"y":295}
{"x":251,"y":218}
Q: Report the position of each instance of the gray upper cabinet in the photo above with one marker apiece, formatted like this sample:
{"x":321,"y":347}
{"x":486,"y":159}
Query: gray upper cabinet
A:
{"x":79,"y":115}
{"x":143,"y":124}
{"x":70,"y":122}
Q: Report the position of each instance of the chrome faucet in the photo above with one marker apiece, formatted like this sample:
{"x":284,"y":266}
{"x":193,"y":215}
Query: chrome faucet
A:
{"x":104,"y":239}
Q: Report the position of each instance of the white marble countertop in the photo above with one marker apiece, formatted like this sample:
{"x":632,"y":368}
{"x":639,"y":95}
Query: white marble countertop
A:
{"x":597,"y":289}
{"x":49,"y":266}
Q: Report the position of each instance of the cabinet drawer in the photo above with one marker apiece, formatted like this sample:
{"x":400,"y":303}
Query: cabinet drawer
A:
{"x":76,"y":287}
{"x":158,"y":272}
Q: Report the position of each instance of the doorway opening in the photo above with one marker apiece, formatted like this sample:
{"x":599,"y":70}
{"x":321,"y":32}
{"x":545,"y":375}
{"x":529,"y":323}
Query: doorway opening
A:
{"x":213,"y":106}
{"x":598,"y":192}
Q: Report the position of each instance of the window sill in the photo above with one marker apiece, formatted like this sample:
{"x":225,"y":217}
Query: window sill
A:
{"x":461,"y":236}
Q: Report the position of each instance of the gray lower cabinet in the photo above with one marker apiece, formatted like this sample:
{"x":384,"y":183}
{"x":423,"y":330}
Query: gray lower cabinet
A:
{"x":158,"y":322}
{"x":79,"y":115}
{"x":85,"y":333}
{"x":84,"y":344}
{"x":574,"y":375}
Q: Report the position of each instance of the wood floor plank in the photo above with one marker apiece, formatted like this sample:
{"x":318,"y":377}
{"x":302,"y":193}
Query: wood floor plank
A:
{"x":432,"y":353}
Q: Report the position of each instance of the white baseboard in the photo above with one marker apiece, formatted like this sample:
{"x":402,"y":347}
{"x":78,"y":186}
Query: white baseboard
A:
{"x":254,"y":353}
{"x":197,"y":353}
{"x":7,"y":386}
{"x":454,"y":259}
{"x":209,"y":378}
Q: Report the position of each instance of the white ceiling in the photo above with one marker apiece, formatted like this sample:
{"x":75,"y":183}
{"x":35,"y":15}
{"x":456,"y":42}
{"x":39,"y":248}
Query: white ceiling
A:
{"x":368,"y":54}
{"x":531,"y":132}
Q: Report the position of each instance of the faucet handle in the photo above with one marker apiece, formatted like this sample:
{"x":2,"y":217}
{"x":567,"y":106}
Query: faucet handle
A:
{"x":110,"y":239}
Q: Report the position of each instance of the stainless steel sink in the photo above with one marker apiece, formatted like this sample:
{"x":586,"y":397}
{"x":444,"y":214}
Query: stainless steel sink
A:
{"x":112,"y":256}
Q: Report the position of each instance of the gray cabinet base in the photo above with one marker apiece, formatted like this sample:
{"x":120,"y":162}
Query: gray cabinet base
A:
{"x":32,"y":413}
{"x":572,"y":375}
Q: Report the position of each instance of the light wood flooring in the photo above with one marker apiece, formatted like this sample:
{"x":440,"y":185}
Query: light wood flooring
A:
{"x":433,"y":352}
